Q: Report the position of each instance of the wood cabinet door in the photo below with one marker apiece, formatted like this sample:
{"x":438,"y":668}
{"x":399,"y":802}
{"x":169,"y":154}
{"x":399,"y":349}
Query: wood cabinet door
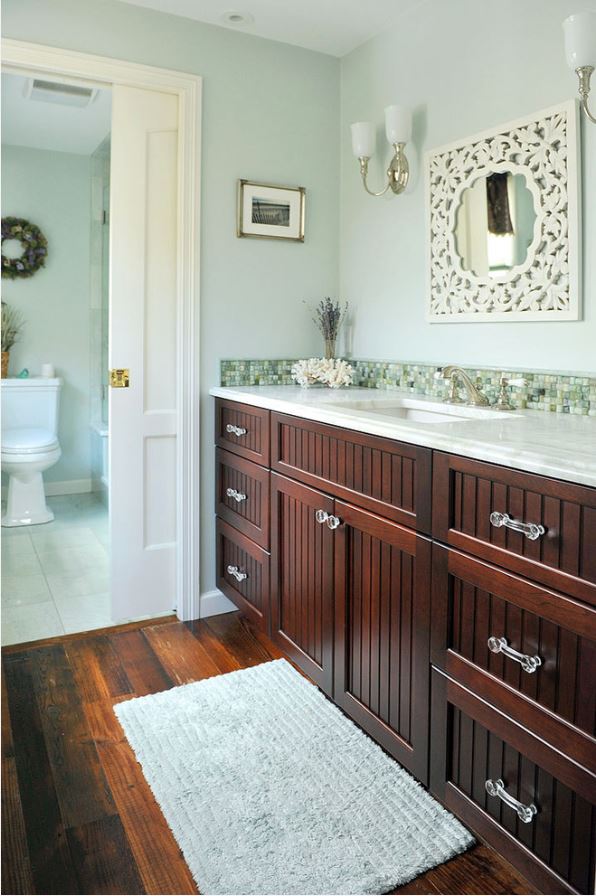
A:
{"x":382,"y":578}
{"x":302,"y":578}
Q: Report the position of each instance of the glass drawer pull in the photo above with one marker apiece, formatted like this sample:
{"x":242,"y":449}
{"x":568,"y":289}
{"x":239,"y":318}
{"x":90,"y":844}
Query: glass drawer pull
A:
{"x":527,"y":662}
{"x":236,"y":430}
{"x":239,"y":497}
{"x":332,"y":521}
{"x":239,"y":576}
{"x":533,"y":531}
{"x":524,"y":813}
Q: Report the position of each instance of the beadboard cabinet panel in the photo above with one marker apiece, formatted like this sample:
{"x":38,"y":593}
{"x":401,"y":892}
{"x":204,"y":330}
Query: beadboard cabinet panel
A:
{"x":243,"y":573}
{"x":467,"y":492}
{"x":555,"y":848}
{"x":474,"y":602}
{"x":242,"y":495}
{"x":302,"y":593}
{"x":382,"y":597}
{"x":386,"y":477}
{"x":243,"y":429}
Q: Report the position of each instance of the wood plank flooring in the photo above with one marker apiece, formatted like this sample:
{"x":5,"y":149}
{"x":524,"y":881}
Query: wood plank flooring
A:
{"x":78,"y":816}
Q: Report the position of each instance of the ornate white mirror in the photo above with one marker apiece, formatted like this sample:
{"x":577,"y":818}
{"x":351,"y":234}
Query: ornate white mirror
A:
{"x":503,"y":222}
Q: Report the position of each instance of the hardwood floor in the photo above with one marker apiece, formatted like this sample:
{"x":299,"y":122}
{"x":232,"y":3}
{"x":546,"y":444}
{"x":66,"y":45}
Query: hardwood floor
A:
{"x":78,"y":816}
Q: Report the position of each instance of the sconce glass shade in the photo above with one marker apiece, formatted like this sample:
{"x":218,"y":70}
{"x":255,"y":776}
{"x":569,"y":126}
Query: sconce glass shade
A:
{"x":398,"y":124}
{"x":363,"y":139}
{"x":580,"y":39}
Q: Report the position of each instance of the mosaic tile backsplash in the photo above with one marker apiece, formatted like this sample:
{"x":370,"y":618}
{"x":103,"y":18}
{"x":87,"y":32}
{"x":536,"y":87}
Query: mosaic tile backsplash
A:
{"x":556,"y":392}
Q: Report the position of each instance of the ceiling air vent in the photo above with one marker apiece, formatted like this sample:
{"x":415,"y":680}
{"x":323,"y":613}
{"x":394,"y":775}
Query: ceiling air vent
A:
{"x":62,"y":94}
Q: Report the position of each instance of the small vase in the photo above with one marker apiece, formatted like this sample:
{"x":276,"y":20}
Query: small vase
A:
{"x":330,"y":348}
{"x":5,"y":359}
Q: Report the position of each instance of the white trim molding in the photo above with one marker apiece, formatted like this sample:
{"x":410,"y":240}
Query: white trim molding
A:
{"x":63,"y":487}
{"x":20,"y":57}
{"x":544,"y":148}
{"x":214,"y":603}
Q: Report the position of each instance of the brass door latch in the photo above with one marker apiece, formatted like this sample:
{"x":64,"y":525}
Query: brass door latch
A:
{"x":120,"y":378}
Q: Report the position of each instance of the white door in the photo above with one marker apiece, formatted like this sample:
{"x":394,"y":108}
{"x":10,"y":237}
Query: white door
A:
{"x":143,"y":258}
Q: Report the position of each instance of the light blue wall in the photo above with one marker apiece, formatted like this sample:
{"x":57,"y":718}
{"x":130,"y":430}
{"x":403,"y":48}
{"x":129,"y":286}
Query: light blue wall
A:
{"x":53,"y":190}
{"x":270,"y":113}
{"x":463,"y":66}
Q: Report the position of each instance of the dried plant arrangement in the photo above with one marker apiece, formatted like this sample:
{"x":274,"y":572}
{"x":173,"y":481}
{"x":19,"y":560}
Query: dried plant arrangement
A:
{"x":328,"y":317}
{"x":12,"y":324}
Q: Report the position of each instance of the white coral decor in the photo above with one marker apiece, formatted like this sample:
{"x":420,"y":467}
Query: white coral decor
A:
{"x":332,"y":372}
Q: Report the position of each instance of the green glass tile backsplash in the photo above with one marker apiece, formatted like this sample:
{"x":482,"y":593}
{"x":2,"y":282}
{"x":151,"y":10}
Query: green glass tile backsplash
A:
{"x":555,"y":392}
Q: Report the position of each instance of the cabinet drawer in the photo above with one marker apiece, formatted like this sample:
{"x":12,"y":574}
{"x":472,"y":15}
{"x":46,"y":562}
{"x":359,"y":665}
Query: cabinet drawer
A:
{"x":467,"y":492}
{"x":380,"y":475}
{"x":473,"y":603}
{"x":242,"y":429}
{"x":242,"y":496}
{"x":473,"y":744}
{"x":243,"y":573}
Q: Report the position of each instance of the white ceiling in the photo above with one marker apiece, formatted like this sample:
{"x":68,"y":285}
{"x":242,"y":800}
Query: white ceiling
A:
{"x":328,"y":26}
{"x":42,"y":125}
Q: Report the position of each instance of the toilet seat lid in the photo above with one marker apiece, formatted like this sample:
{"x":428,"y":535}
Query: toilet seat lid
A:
{"x":27,"y":440}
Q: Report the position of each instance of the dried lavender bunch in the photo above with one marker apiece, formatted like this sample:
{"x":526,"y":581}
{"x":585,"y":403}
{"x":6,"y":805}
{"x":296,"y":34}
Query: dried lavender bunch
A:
{"x":328,"y":317}
{"x":12,"y":324}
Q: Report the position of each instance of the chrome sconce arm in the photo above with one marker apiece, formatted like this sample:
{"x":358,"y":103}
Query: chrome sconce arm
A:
{"x":398,"y":172}
{"x":584,"y":74}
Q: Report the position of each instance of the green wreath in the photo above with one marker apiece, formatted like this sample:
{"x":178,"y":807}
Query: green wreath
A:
{"x":35,"y":248}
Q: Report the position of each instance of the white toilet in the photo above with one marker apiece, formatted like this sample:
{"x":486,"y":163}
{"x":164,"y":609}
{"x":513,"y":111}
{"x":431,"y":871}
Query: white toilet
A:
{"x":29,"y":446}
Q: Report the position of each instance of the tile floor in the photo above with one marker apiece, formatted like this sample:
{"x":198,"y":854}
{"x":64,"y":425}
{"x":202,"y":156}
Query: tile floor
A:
{"x":55,"y":576}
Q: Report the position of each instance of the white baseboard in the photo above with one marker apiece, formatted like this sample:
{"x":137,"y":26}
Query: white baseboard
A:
{"x":68,"y":487}
{"x":214,"y":603}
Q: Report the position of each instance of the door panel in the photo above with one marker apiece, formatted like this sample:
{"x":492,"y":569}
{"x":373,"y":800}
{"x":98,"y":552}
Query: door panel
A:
{"x":382,"y":632}
{"x":143,"y":296}
{"x":302,"y":578}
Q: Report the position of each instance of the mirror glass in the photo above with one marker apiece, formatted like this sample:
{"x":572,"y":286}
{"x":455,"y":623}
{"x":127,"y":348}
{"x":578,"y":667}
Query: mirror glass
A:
{"x":494,"y":224}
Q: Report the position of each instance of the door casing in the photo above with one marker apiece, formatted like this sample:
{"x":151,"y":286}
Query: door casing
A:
{"x":24,"y":58}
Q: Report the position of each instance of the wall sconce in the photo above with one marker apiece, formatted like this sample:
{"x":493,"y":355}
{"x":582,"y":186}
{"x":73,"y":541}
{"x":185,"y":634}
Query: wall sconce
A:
{"x":580,"y":49}
{"x":398,"y":128}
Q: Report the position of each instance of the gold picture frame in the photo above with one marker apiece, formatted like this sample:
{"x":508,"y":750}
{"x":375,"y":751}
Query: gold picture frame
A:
{"x":270,"y":212}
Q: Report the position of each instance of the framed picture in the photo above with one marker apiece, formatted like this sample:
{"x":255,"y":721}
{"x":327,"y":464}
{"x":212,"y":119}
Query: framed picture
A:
{"x":269,"y":212}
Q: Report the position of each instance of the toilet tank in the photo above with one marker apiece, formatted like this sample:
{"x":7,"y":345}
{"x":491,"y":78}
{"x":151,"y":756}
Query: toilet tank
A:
{"x":31,"y":402}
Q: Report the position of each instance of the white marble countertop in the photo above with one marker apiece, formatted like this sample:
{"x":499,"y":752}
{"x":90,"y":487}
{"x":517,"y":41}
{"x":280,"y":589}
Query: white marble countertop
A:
{"x":559,"y":445}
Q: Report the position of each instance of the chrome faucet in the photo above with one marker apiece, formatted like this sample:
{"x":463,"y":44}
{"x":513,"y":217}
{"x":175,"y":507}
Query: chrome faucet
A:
{"x":452,"y":373}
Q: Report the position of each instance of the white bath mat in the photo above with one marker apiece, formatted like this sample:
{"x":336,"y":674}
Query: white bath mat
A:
{"x":269,"y":788}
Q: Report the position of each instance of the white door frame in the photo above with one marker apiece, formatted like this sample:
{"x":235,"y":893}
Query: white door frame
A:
{"x":20,"y":57}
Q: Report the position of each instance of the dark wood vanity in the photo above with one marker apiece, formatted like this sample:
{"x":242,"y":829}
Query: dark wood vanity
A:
{"x":465,"y":647}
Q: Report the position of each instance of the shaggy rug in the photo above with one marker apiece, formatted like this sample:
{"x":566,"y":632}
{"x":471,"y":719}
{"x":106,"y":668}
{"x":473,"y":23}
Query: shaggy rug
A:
{"x":269,"y":788}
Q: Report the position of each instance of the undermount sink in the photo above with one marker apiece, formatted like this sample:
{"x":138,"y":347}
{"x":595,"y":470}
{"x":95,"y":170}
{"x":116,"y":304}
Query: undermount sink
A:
{"x":419,"y":411}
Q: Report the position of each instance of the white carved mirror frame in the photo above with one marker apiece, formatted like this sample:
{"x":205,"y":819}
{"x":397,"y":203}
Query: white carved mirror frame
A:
{"x":544,"y":148}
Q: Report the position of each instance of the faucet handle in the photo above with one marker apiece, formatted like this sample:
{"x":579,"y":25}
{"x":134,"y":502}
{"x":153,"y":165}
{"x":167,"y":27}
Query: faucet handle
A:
{"x":503,"y":400}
